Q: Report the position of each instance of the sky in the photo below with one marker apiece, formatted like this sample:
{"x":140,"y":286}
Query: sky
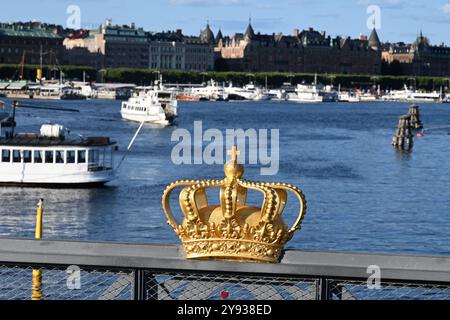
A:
{"x":397,"y":20}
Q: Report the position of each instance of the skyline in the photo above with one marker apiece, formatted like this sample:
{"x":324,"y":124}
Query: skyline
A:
{"x":400,"y":20}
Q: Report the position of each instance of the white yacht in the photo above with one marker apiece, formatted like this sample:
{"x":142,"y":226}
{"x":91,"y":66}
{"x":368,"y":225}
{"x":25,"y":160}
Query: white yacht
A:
{"x":157,"y":105}
{"x":248,"y":92}
{"x":412,"y":96}
{"x":52,"y":158}
{"x":306,"y":94}
{"x":211,"y":92}
{"x":349,"y":96}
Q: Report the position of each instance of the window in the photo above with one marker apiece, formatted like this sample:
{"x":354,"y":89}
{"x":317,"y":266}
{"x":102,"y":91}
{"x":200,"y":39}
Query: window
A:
{"x":94,"y":156}
{"x":27,"y":156}
{"x":81,"y":156}
{"x":59,"y":157}
{"x":48,"y":156}
{"x":6,"y":156}
{"x":70,"y":156}
{"x":17,"y":156}
{"x":38,"y":156}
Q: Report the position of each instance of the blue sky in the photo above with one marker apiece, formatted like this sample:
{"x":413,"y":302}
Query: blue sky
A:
{"x":401,"y":20}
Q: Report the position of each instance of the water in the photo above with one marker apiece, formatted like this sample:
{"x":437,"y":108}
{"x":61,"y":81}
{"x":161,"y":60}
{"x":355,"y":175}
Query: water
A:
{"x":362,"y":194}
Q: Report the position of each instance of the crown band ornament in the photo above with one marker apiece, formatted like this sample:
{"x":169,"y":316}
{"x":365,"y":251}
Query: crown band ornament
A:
{"x":233,"y":230}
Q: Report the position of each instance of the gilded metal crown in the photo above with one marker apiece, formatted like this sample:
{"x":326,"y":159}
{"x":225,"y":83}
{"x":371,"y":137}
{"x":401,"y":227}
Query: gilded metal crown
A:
{"x":233,"y":230}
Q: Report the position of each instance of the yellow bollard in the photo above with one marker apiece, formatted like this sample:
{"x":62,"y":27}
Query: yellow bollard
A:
{"x":37,"y":274}
{"x":39,"y":214}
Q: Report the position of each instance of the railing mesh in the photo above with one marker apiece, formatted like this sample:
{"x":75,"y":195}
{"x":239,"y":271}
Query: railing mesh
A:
{"x":25,"y":283}
{"x":361,"y":290}
{"x":185,"y":286}
{"x":62,"y":283}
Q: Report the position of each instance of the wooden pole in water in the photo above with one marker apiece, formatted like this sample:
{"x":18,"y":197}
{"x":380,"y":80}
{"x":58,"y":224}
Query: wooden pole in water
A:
{"x":37,"y":274}
{"x":403,"y":137}
{"x":416,"y":122}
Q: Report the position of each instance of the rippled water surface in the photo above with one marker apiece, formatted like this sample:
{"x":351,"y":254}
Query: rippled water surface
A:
{"x":362,"y":194}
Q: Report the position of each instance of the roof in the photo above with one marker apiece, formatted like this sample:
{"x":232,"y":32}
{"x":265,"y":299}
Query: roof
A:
{"x":29,"y":33}
{"x":32,"y":140}
{"x":114,"y":86}
{"x":374,"y":40}
{"x":207,"y":35}
{"x":250,"y":33}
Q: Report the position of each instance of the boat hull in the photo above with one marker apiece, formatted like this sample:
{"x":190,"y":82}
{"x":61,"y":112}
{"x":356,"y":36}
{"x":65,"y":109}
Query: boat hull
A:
{"x":156,"y":119}
{"x":40,"y":175}
{"x":87,"y":185}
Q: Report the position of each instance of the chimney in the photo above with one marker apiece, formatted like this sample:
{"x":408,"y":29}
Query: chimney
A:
{"x":179,"y":32}
{"x":296,"y":32}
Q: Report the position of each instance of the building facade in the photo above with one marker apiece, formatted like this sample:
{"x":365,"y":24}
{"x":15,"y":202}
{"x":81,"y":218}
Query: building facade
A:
{"x":420,"y":58}
{"x":120,"y":46}
{"x":175,"y":51}
{"x":30,"y":44}
{"x":308,"y":51}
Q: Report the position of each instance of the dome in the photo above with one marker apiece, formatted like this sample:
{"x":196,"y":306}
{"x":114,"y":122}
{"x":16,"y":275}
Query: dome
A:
{"x":207,"y":36}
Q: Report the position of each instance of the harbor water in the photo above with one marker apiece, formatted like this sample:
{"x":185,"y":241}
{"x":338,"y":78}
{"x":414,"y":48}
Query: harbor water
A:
{"x":362,"y":194}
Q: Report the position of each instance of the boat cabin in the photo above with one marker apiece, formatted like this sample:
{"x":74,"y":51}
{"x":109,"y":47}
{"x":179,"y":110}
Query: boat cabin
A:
{"x":51,"y":158}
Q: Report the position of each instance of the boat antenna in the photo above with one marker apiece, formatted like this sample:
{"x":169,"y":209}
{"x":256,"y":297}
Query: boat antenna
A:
{"x":130,"y":145}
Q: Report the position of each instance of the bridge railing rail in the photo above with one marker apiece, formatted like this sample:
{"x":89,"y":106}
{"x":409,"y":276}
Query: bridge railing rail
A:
{"x":60,"y":270}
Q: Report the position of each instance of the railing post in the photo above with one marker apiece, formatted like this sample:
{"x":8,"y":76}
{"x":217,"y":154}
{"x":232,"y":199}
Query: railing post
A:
{"x":322,"y":289}
{"x":139,"y":285}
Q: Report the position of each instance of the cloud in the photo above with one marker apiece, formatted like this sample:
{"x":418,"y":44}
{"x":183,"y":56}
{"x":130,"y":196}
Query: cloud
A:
{"x":446,"y":8}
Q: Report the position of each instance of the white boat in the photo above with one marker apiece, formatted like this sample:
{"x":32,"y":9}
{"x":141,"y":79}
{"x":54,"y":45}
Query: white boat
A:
{"x":211,"y":92}
{"x":348,"y":96}
{"x":409,"y":95}
{"x":277,"y":94}
{"x":248,"y":92}
{"x":157,"y":105}
{"x":446,"y":98}
{"x":52,"y":158}
{"x":306,"y":94}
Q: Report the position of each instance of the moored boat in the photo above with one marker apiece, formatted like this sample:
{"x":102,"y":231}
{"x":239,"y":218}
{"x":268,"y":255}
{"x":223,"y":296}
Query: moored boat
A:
{"x":157,"y":105}
{"x":54,"y":158}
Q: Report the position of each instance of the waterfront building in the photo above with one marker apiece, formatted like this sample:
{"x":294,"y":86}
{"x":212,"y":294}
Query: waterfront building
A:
{"x":306,"y":51}
{"x":29,"y":42}
{"x":174,"y":51}
{"x":167,"y":50}
{"x":419,"y":58}
{"x":120,"y":46}
{"x":76,"y":52}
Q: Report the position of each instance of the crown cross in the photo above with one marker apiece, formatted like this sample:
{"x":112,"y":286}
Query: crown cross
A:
{"x":234,"y":153}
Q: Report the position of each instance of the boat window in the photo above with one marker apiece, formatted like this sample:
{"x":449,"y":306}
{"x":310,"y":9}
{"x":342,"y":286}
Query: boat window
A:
{"x":48,"y":156}
{"x":38,"y":156}
{"x":82,"y":156}
{"x":6,"y":156}
{"x":70,"y":156}
{"x":27,"y":156}
{"x":94,"y":156}
{"x":17,"y":156}
{"x":59,"y":158}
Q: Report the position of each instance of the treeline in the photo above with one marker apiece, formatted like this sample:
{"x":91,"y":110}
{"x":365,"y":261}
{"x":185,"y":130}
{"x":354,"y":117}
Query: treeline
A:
{"x":272,"y":79}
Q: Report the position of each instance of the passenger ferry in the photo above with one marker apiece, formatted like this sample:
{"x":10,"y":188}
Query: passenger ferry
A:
{"x":157,"y":105}
{"x":53,"y":158}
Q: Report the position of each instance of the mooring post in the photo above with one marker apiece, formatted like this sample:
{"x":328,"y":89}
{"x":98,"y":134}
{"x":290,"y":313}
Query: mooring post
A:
{"x":403,"y":136}
{"x":37,"y":274}
{"x":414,"y":113}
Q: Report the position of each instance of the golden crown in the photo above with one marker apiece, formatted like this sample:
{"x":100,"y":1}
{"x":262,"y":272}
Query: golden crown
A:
{"x":233,"y":230}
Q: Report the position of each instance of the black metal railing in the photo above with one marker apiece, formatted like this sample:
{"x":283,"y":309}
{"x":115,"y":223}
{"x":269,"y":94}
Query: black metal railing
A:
{"x":54,"y":270}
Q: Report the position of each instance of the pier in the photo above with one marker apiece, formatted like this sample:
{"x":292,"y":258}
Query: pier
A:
{"x":110,"y":271}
